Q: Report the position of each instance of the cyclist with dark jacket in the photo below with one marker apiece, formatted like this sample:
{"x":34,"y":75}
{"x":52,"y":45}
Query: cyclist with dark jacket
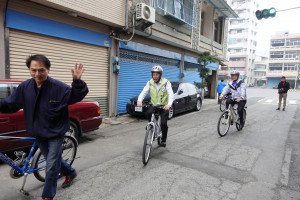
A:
{"x":237,"y":88}
{"x":45,"y":102}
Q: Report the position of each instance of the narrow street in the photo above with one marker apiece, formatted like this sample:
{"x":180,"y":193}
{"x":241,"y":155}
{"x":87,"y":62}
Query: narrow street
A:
{"x":261,"y":162}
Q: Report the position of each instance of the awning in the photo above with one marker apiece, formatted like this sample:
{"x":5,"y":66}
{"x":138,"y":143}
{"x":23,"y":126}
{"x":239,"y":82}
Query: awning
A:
{"x":223,"y":8}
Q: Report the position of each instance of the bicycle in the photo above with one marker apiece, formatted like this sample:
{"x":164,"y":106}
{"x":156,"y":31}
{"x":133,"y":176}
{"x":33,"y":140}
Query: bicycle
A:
{"x":153,"y":131}
{"x":22,"y":166}
{"x":228,"y":118}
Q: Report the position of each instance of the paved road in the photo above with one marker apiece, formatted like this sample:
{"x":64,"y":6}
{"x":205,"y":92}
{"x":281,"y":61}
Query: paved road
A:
{"x":260,"y":162}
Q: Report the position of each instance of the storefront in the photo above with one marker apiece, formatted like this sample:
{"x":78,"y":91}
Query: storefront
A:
{"x":64,"y":45}
{"x":136,"y":61}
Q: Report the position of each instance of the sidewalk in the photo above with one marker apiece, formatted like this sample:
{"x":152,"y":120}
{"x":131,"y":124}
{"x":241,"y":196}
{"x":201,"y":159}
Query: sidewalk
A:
{"x":126,"y":118}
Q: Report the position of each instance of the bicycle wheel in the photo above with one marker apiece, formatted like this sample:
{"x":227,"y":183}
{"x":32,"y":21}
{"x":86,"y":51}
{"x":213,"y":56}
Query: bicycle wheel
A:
{"x":148,"y":144}
{"x":69,"y":150}
{"x":224,"y":124}
{"x":238,"y":124}
{"x":223,"y":105}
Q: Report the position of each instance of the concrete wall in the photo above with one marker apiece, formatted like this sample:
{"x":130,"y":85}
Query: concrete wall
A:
{"x":2,"y":42}
{"x":104,"y":11}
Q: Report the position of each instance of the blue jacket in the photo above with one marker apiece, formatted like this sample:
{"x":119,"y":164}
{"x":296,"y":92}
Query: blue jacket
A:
{"x":45,"y":109}
{"x":220,"y":87}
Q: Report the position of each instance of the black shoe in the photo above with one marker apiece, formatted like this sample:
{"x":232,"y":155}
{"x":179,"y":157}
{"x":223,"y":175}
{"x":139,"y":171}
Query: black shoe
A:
{"x":69,"y":180}
{"x":283,"y":109}
{"x":278,"y":109}
{"x":241,"y":126}
{"x":163,"y":144}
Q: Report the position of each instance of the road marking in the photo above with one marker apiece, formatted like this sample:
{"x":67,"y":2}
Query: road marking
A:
{"x":269,"y":101}
{"x":293,"y":102}
{"x":285,"y":170}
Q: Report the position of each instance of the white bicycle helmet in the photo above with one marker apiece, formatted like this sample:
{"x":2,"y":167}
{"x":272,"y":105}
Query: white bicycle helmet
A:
{"x":235,"y":72}
{"x":157,"y":68}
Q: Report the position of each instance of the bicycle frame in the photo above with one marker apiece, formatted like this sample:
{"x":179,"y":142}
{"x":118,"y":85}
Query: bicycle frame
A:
{"x":231,"y":111}
{"x":26,"y":168}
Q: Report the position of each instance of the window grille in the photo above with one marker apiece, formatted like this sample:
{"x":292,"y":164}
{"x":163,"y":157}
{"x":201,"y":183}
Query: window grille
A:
{"x":180,"y":11}
{"x":148,"y":59}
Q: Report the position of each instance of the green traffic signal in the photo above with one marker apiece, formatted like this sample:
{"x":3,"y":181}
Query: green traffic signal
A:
{"x":265,"y":13}
{"x":272,"y":12}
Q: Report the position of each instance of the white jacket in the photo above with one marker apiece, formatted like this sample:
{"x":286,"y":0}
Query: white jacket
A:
{"x":238,"y":92}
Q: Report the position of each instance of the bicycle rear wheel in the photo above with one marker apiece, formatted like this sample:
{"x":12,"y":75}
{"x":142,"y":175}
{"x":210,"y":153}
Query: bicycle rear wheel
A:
{"x":69,"y":150}
{"x":224,"y":124}
{"x":148,"y":144}
{"x":223,"y":105}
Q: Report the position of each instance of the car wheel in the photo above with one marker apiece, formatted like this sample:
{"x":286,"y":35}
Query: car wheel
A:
{"x":75,"y":130}
{"x":198,"y":105}
{"x":171,"y":112}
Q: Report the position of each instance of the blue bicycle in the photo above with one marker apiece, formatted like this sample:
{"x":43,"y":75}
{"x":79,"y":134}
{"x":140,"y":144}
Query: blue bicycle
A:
{"x":35,"y":162}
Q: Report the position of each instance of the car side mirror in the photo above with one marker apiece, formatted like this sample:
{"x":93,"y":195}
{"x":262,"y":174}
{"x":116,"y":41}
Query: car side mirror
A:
{"x":180,"y":92}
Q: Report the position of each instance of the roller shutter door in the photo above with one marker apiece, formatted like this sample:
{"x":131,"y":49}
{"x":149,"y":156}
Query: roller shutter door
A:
{"x":135,"y":72}
{"x":192,"y":73}
{"x":63,"y":54}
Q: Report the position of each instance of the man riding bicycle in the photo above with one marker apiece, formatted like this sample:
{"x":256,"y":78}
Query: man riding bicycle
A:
{"x":237,"y":88}
{"x":161,"y":94}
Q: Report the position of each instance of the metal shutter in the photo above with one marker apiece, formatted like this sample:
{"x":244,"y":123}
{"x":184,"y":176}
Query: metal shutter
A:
{"x":191,"y":72}
{"x":63,"y":54}
{"x":135,"y":72}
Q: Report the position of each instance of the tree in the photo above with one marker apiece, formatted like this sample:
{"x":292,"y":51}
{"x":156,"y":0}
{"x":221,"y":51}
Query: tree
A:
{"x":204,"y":59}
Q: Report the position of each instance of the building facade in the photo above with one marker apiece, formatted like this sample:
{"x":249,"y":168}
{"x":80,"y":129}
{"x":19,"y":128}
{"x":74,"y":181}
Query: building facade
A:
{"x":260,"y":71}
{"x":242,"y":40}
{"x":95,"y":33}
{"x":284,"y":59}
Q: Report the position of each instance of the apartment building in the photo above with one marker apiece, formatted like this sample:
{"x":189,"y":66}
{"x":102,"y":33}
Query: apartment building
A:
{"x":97,"y":32}
{"x":242,"y":40}
{"x":260,"y":70}
{"x":284,"y":59}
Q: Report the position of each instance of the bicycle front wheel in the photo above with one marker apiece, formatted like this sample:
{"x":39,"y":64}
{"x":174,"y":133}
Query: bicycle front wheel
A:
{"x":69,"y":150}
{"x":148,"y":144}
{"x":223,"y":105}
{"x":238,"y":124}
{"x":224,"y":124}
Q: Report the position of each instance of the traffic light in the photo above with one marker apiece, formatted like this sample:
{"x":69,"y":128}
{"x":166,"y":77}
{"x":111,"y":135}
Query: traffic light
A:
{"x":265,"y":13}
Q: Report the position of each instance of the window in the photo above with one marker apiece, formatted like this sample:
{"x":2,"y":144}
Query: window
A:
{"x":275,"y":54}
{"x":180,"y":10}
{"x":4,"y":90}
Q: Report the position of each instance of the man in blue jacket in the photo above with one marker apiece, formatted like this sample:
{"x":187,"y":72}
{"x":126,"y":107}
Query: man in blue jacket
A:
{"x":220,"y":88}
{"x":45,"y":102}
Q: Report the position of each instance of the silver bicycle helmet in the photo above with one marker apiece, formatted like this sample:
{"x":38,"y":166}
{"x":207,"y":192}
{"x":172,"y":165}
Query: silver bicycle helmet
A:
{"x":157,"y":68}
{"x":235,"y":72}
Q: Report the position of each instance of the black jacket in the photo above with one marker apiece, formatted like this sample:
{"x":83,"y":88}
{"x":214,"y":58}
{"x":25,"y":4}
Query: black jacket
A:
{"x":45,"y":109}
{"x":283,"y":88}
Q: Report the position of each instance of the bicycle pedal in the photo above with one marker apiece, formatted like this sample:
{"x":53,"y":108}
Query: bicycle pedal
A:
{"x":24,"y":192}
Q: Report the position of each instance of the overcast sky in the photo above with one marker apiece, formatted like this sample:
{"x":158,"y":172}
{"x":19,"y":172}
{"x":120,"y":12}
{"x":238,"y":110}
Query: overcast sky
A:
{"x":283,"y":21}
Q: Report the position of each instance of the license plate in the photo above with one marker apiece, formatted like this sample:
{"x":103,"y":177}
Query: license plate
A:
{"x":138,"y":109}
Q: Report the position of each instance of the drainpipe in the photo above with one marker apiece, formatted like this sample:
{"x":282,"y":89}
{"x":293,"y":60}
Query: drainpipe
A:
{"x":126,"y":15}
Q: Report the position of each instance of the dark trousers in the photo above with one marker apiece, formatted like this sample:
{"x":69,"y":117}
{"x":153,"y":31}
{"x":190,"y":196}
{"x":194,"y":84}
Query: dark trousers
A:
{"x":241,"y":106}
{"x":52,"y":150}
{"x":164,"y":114}
{"x":219,"y":100}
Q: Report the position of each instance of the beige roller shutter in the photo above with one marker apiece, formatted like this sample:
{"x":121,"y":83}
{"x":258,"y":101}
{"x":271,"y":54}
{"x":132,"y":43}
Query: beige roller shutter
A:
{"x":63,"y":54}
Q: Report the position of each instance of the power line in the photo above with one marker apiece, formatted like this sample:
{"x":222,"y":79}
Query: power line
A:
{"x":287,"y":9}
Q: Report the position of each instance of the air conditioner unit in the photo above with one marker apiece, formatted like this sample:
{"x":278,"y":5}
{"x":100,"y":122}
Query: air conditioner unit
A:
{"x":145,"y":13}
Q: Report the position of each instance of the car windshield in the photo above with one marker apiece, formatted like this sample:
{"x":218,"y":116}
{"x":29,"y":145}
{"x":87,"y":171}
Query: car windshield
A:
{"x":175,"y":87}
{"x":4,"y":90}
